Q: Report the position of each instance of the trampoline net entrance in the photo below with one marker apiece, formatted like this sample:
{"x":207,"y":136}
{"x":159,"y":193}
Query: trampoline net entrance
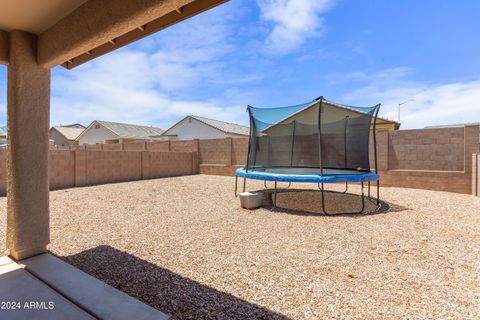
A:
{"x":320,"y":134}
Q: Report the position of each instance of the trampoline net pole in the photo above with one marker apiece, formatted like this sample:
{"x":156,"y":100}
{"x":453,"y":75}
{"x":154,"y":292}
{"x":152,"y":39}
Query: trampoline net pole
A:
{"x":251,"y":138}
{"x":375,"y":137}
{"x":293,"y":144}
{"x":320,"y":151}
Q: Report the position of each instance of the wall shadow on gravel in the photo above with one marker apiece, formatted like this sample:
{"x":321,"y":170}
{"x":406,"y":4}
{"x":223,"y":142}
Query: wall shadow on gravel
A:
{"x":307,"y":202}
{"x":163,"y":289}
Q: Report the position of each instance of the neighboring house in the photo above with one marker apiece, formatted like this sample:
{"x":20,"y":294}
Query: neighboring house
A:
{"x":114,"y":132}
{"x":335,"y":111}
{"x":3,"y":137}
{"x":195,"y":127}
{"x":64,"y":136}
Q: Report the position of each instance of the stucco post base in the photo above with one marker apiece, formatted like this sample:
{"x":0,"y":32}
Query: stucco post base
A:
{"x":24,"y":254}
{"x":28,"y":113}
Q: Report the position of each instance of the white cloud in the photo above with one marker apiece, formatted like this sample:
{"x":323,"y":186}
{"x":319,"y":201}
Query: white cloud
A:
{"x":126,"y":88}
{"x":293,"y":21}
{"x":433,"y":103}
{"x":139,"y":84}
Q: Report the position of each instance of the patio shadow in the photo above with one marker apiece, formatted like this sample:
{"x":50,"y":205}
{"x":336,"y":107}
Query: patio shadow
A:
{"x":163,"y":289}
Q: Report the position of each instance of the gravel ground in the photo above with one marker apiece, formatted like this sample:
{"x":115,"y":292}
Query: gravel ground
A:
{"x":184,"y":246}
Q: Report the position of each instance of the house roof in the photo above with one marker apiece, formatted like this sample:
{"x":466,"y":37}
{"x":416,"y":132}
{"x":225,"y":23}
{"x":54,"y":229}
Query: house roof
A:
{"x":73,"y":125}
{"x":128,"y":131}
{"x":69,"y":132}
{"x":223,"y":126}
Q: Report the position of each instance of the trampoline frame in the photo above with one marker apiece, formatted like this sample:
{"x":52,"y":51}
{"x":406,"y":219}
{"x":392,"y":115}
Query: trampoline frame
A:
{"x":321,"y":185}
{"x":375,"y":200}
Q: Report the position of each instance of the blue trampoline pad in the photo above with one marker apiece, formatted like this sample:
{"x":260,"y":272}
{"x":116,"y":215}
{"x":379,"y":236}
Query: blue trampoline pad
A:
{"x":307,"y":175}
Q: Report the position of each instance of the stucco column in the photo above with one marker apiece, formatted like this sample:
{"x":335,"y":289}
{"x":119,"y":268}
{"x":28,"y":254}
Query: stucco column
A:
{"x":28,"y":114}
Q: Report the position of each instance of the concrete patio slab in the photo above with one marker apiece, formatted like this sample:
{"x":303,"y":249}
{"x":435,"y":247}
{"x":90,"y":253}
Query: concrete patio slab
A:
{"x":22,"y":296}
{"x":102,"y":300}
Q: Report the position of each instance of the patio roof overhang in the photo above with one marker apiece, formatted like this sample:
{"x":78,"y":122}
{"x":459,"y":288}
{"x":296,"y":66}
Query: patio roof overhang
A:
{"x":35,"y":36}
{"x":4,"y":52}
{"x":84,"y":30}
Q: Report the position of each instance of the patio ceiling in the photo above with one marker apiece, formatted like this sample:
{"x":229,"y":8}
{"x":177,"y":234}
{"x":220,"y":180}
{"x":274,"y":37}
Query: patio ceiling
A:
{"x":76,"y":31}
{"x":34,"y":16}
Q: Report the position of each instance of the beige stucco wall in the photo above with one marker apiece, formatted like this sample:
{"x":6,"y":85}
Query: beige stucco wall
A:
{"x":28,"y":106}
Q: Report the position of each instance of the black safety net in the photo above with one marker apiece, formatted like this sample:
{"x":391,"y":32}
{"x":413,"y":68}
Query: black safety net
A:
{"x":320,"y":134}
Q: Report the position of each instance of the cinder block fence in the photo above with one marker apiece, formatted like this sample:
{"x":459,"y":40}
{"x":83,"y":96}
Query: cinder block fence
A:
{"x":445,"y":159}
{"x":434,"y":159}
{"x":75,"y":168}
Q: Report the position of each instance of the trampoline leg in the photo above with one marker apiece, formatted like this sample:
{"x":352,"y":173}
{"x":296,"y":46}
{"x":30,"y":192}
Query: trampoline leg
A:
{"x":363,"y":200}
{"x":236,"y":186}
{"x":346,"y":187}
{"x":378,"y":193}
{"x":375,"y":201}
{"x":274,"y":196}
{"x":244,"y":183}
{"x":327,"y":213}
{"x":323,"y":201}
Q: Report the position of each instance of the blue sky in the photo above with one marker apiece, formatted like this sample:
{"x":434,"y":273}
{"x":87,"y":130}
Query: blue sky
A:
{"x":281,"y":52}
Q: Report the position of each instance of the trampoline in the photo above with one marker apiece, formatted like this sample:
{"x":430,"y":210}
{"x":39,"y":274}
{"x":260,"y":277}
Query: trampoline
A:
{"x":317,"y":142}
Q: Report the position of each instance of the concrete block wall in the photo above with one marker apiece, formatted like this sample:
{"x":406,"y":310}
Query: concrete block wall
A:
{"x":93,"y":147}
{"x":77,"y":147}
{"x":215,"y":151}
{"x":168,"y":164}
{"x":239,"y":151}
{"x":113,"y":166}
{"x":133,"y":146}
{"x":436,"y":159}
{"x":61,"y":169}
{"x":112,"y":147}
{"x":184,"y":146}
{"x":76,"y":168}
{"x":159,"y":146}
{"x":427,"y":149}
{"x":451,"y":181}
{"x":219,"y":169}
{"x":80,"y":168}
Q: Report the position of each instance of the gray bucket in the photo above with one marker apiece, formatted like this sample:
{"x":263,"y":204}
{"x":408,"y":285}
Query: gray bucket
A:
{"x":250,"y":200}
